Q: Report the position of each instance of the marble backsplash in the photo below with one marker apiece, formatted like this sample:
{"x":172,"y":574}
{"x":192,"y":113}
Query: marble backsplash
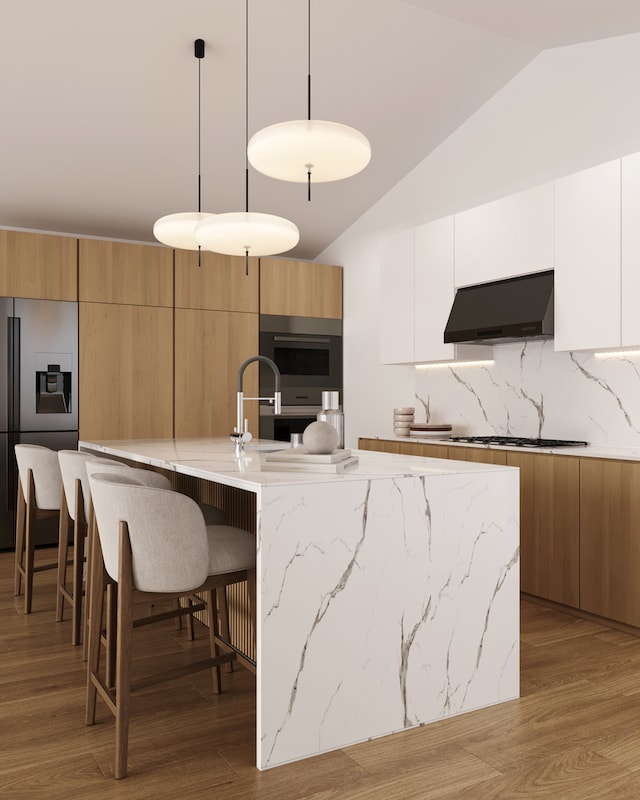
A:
{"x":530,"y":390}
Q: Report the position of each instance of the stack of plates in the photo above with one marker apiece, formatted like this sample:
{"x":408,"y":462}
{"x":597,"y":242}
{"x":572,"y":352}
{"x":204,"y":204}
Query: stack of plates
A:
{"x":402,"y":420}
{"x":426,"y":431}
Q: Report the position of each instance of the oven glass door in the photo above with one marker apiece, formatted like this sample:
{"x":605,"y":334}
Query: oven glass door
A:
{"x":308,"y":366}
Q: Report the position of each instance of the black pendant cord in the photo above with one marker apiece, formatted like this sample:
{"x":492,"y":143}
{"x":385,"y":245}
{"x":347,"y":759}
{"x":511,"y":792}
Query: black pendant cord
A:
{"x":309,"y":90}
{"x":246,"y":125}
{"x":198,"y":49}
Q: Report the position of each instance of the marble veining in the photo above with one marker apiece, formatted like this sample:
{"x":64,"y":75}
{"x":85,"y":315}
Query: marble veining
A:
{"x":385,"y":600}
{"x":532,"y":391}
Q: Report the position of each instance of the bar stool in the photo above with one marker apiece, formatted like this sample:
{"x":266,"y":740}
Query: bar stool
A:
{"x":185,"y":606}
{"x":39,"y":493}
{"x":74,"y":514}
{"x":155,"y":541}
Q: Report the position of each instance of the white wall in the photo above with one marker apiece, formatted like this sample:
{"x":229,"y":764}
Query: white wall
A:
{"x":570,"y":108}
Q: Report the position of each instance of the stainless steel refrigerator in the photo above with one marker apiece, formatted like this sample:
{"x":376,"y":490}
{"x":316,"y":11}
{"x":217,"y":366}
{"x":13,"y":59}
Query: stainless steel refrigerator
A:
{"x":39,"y":365}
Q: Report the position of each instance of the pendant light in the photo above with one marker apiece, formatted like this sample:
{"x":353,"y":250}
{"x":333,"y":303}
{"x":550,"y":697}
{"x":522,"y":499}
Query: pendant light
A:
{"x":178,"y":230}
{"x":245,"y":233}
{"x":308,"y":149}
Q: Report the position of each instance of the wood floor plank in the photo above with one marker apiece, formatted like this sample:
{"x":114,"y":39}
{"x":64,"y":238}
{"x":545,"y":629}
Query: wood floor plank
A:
{"x":573,"y":735}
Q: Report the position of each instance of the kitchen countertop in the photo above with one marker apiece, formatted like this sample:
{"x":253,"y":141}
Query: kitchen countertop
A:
{"x":590,"y":451}
{"x":215,"y":459}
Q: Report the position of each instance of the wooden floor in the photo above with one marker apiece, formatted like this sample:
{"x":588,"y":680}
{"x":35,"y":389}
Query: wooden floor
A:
{"x":573,"y":735}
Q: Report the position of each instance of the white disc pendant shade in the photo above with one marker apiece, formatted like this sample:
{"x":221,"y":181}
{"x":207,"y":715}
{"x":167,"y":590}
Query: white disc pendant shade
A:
{"x":178,"y":230}
{"x":242,"y":232}
{"x":290,"y":150}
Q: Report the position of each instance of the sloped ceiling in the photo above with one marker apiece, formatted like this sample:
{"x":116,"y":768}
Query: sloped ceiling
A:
{"x":99,"y":122}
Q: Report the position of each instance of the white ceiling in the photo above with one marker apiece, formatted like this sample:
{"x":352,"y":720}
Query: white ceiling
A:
{"x":99,"y":100}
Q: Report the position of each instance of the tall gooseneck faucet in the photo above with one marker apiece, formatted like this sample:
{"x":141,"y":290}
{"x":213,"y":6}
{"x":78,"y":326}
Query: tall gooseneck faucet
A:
{"x":241,"y":433}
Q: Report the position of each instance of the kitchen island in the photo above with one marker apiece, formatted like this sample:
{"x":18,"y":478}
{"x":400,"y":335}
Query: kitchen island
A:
{"x":387,"y":596}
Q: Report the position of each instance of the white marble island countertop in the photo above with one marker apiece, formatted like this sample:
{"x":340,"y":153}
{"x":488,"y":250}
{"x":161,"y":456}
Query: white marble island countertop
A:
{"x":387,"y":597}
{"x":214,"y":459}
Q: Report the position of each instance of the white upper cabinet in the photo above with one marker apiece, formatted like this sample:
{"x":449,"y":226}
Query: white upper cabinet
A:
{"x":505,"y":238}
{"x":434,"y":293}
{"x":587,"y":259}
{"x":630,"y":277}
{"x":396,"y":299}
{"x":434,"y":289}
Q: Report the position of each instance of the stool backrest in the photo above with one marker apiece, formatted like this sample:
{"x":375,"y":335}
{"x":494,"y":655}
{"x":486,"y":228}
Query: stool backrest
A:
{"x":146,"y":477}
{"x":169,"y":543}
{"x":73,"y":466}
{"x":47,"y":478}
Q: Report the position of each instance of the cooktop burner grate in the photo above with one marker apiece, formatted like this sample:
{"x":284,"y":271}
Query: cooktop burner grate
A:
{"x":518,"y":441}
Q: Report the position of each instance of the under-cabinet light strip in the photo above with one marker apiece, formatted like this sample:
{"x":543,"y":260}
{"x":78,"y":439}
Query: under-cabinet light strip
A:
{"x":456,"y":364}
{"x":618,"y":354}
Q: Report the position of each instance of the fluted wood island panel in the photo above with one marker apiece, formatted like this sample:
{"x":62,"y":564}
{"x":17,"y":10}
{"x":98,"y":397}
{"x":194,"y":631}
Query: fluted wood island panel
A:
{"x":388,"y":596}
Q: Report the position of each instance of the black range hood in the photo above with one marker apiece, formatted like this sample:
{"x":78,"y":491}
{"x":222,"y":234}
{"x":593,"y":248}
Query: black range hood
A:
{"x":503,"y":311}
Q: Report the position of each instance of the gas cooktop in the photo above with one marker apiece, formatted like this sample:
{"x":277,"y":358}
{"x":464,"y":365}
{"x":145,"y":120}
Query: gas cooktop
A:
{"x":518,"y":441}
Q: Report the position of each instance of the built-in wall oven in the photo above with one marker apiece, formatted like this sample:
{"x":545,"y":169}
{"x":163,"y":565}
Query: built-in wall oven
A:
{"x":308,"y":353}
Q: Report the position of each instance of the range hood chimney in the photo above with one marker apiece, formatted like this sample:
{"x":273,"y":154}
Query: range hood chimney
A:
{"x":503,"y":311}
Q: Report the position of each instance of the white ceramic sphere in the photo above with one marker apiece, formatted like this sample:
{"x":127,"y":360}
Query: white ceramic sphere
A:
{"x":320,"y":437}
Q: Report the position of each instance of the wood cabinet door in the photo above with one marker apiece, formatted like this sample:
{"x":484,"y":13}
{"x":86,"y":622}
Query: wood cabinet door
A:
{"x":126,"y":371}
{"x":38,"y":266}
{"x":210,"y":347}
{"x":125,"y":273}
{"x":480,"y":455}
{"x":220,"y":283}
{"x":379,"y":445}
{"x":610,"y":539}
{"x":300,"y":289}
{"x":549,"y":526}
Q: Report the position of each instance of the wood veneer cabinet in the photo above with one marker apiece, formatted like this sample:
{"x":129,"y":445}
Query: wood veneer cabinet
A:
{"x":479,"y":455}
{"x":610,"y":539}
{"x":124,"y":273}
{"x":220,"y":283}
{"x":210,"y":346}
{"x":379,"y":445}
{"x":38,"y":266}
{"x":126,"y":371}
{"x":549,"y":525}
{"x":300,"y":289}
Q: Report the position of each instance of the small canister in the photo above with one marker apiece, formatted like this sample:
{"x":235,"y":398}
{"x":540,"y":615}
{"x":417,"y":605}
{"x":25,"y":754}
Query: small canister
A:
{"x":332,"y":414}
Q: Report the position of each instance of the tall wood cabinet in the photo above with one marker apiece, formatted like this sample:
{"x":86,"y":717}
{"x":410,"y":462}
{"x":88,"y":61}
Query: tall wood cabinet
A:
{"x":216,"y":329}
{"x":300,"y":289}
{"x":39,"y":266}
{"x":126,"y":340}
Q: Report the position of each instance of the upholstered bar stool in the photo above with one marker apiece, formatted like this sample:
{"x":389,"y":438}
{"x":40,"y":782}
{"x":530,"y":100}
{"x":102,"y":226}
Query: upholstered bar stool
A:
{"x":74,"y":515}
{"x":185,"y":606}
{"x":39,"y":492}
{"x":154,"y":541}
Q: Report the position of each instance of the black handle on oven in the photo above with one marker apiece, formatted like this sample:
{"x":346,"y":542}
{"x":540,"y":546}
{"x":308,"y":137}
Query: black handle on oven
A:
{"x":301,"y":339}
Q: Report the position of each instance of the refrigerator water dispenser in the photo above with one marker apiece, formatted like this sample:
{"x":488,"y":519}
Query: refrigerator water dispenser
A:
{"x":53,"y":391}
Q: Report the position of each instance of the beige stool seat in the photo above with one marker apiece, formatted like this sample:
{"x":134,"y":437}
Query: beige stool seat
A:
{"x":39,"y":493}
{"x":155,"y":541}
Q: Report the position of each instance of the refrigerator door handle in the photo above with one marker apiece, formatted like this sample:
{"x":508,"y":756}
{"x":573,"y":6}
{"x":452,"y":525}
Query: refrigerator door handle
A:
{"x":13,"y":383}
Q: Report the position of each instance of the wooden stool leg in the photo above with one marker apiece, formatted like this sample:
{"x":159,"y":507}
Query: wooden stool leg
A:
{"x":123,"y":657}
{"x":30,"y":547}
{"x":87,"y":596}
{"x":111,"y":632}
{"x":63,"y":553}
{"x":21,"y":509}
{"x":223,"y":618}
{"x":97,"y":584}
{"x":212,"y":617}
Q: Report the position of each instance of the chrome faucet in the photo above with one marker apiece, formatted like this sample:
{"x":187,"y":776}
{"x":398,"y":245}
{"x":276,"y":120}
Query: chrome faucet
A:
{"x":241,"y":433}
